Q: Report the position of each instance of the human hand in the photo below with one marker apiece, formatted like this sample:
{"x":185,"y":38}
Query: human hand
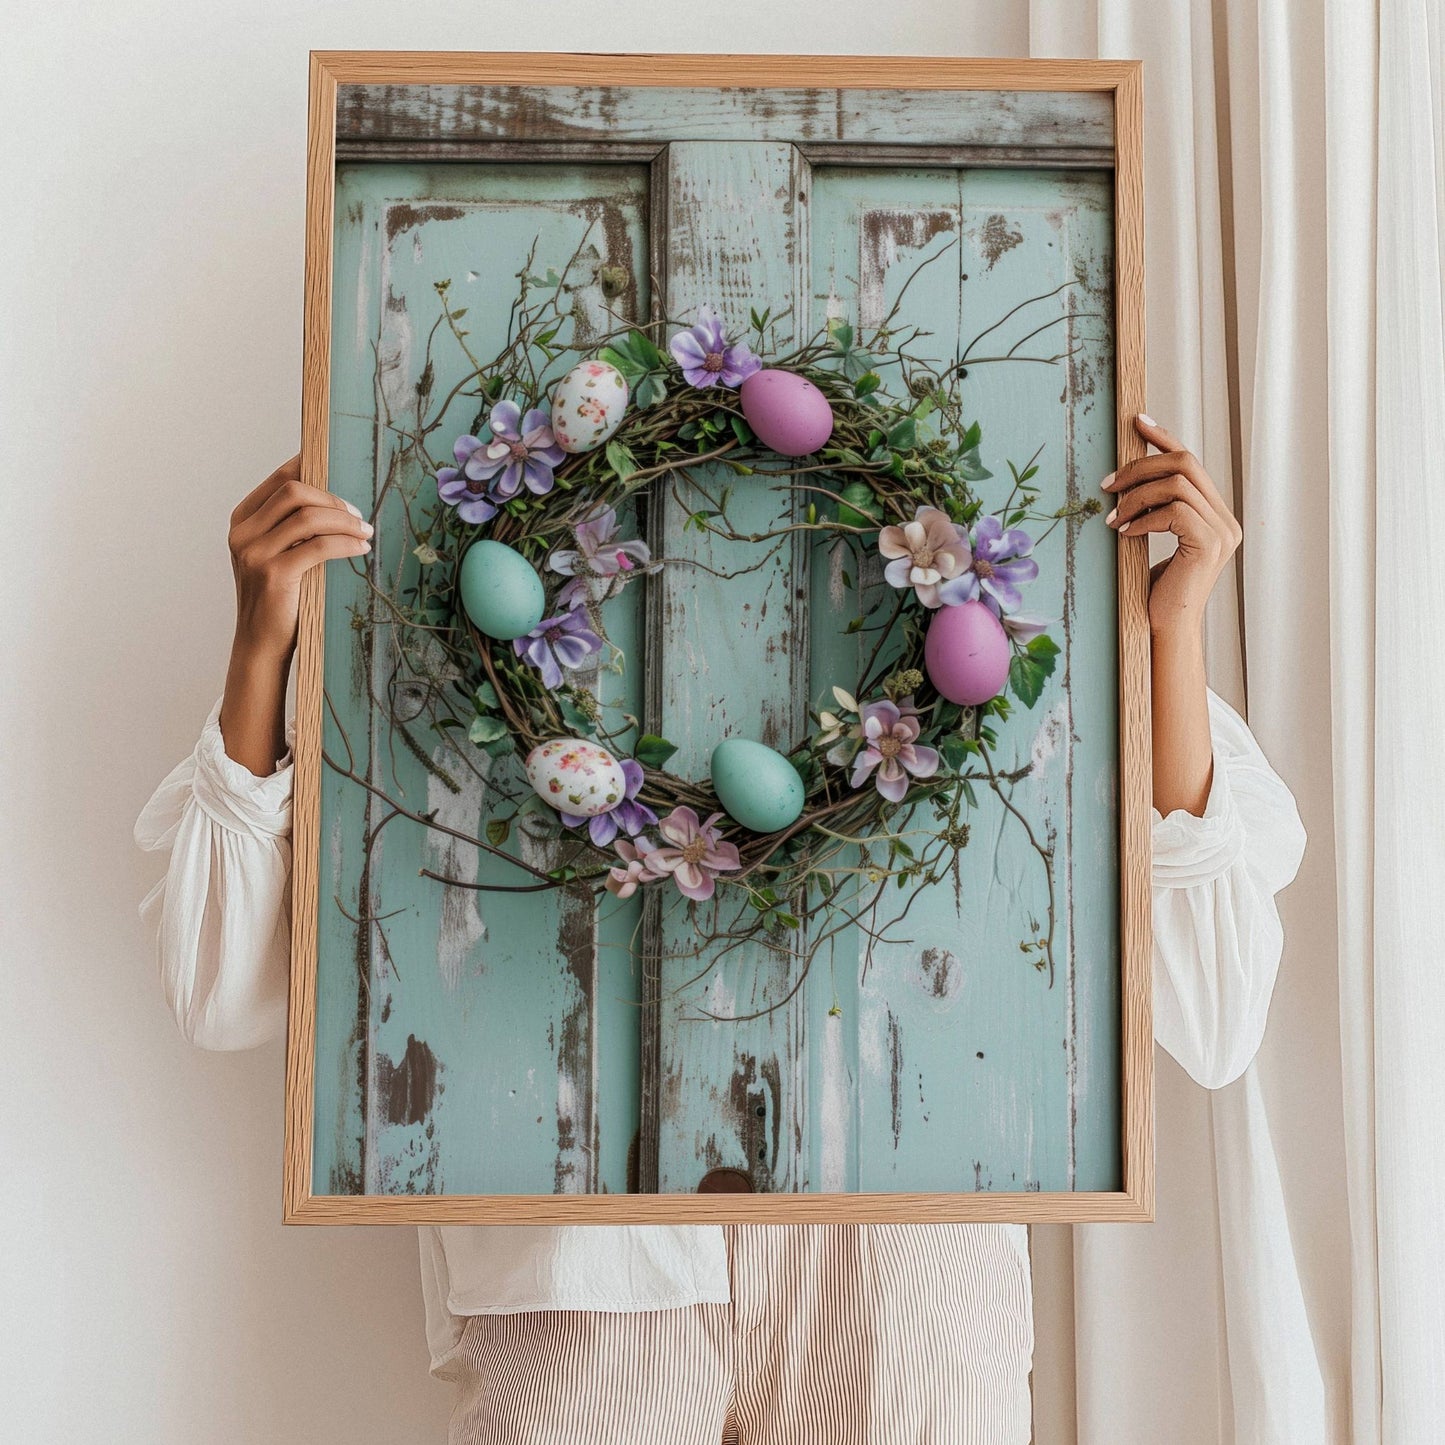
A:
{"x":1172,"y":492}
{"x":278,"y":533}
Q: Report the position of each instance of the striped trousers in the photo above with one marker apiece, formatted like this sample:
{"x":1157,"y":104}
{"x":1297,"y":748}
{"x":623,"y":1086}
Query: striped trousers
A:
{"x":835,"y":1335}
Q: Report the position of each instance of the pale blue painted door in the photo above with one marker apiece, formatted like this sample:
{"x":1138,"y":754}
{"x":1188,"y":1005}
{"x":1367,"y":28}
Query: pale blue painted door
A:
{"x":476,"y":1043}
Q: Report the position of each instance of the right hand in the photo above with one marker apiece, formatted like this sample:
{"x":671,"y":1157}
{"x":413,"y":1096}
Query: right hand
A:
{"x":278,"y":533}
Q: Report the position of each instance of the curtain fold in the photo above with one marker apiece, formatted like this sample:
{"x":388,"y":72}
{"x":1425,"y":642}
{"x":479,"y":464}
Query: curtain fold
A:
{"x":1293,"y":1289}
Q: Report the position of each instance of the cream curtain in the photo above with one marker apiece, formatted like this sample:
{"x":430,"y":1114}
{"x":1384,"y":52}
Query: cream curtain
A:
{"x":1294,"y":1287}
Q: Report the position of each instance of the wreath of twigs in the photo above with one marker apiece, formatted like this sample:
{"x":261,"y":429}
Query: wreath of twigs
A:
{"x":900,"y":441}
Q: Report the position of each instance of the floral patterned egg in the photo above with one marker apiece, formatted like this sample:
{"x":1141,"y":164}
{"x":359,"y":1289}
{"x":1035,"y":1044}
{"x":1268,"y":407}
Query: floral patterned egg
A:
{"x":576,"y":776}
{"x":587,"y":406}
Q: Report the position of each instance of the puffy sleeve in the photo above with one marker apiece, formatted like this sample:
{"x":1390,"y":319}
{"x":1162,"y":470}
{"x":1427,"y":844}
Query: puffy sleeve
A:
{"x":1217,"y":932}
{"x":221,"y":912}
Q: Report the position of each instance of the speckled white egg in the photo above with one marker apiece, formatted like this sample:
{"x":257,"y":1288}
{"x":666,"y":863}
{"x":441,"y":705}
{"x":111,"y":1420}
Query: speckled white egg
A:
{"x":588,"y":405}
{"x":576,"y":776}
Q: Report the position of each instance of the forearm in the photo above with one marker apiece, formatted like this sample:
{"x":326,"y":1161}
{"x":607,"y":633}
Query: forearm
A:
{"x":1183,"y":750}
{"x":253,"y":710}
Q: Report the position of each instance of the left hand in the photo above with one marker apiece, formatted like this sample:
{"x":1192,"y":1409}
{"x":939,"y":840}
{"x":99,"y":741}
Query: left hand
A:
{"x":1172,"y":492}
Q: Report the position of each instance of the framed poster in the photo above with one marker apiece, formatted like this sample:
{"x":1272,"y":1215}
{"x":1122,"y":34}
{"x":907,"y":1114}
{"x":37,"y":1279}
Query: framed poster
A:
{"x":723,"y":792}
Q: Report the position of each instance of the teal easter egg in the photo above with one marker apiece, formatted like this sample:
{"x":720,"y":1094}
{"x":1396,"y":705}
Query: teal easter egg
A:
{"x":500,"y":591}
{"x":757,"y":787}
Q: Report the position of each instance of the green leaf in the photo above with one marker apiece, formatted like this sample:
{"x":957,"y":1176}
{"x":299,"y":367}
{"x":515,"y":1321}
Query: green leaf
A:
{"x":487,"y":728}
{"x":621,"y":460}
{"x":903,"y":436}
{"x":840,"y":333}
{"x":955,"y":752}
{"x":622,"y":361}
{"x":650,"y":390}
{"x":504,"y":746}
{"x":866,"y":384}
{"x":741,"y":430}
{"x":645,"y":349}
{"x":972,"y":468}
{"x":486,"y":698}
{"x":1045,"y":649}
{"x":1026,"y":677}
{"x":652,"y":751}
{"x":574,"y":717}
{"x":497,"y":831}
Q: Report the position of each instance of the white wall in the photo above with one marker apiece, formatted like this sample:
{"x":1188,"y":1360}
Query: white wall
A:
{"x":150,"y":311}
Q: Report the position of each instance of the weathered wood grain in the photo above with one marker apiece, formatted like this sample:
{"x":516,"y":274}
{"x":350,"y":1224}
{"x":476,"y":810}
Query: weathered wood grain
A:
{"x":1020,"y":120}
{"x":731,"y":661}
{"x":455,"y":1054}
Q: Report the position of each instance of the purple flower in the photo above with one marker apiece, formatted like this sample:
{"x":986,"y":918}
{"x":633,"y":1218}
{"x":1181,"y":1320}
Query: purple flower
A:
{"x":522,"y":451}
{"x":600,"y":565}
{"x":890,"y":744}
{"x":707,"y":357}
{"x":628,"y":814}
{"x":558,"y":642}
{"x":692,"y":852}
{"x":460,"y":487}
{"x":1000,"y":565}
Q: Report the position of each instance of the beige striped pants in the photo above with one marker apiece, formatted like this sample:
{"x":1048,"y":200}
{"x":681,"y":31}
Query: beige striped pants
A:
{"x":835,"y":1335}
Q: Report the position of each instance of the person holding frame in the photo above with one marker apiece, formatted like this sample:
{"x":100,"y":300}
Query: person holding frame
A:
{"x":754,"y":1334}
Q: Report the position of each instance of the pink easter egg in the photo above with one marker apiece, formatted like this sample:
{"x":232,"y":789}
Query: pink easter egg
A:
{"x":966,"y":653}
{"x":787,"y":412}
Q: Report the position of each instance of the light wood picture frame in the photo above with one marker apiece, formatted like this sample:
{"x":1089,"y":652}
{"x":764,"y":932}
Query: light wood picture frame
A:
{"x":439,"y":98}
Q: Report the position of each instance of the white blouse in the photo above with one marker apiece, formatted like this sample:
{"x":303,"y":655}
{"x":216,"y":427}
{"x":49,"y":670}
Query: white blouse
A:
{"x":221,"y":915}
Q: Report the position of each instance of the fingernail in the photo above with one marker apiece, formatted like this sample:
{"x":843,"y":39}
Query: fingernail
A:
{"x":1108,"y":481}
{"x":355,"y":511}
{"x":1123,"y":529}
{"x":1110,"y":518}
{"x":1147,"y":419}
{"x":367,"y":528}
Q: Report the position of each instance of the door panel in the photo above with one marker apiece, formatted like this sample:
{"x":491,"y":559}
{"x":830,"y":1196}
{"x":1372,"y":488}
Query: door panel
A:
{"x":953,"y":1064}
{"x":461,"y":1036}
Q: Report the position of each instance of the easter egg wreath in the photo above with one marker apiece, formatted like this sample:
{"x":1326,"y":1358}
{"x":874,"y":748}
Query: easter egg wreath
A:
{"x":526,"y":540}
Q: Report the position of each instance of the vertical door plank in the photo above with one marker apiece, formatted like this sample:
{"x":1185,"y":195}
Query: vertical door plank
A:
{"x":731,"y":662}
{"x":951,"y":1063}
{"x":455,"y":1054}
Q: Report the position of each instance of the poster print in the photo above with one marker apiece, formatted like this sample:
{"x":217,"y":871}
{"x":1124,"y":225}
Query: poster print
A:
{"x":719,"y":771}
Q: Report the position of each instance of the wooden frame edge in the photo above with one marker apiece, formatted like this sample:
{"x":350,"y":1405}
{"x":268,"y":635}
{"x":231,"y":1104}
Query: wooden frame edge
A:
{"x":555,"y":1209}
{"x":306,"y":813}
{"x":1136,"y":1014}
{"x":1136,"y":1200}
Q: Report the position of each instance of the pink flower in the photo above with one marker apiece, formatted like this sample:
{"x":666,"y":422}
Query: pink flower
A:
{"x":890,"y":744}
{"x":924,"y":552}
{"x":637,"y":858}
{"x":693,"y":853}
{"x":599,"y":564}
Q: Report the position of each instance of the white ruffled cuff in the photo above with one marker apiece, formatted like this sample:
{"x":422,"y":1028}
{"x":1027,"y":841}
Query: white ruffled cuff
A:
{"x":232,"y":795}
{"x":1190,"y":850}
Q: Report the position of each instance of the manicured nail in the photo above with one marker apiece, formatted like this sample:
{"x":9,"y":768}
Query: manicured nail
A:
{"x":355,"y":511}
{"x":1123,"y":529}
{"x":1108,"y":481}
{"x":1147,"y":419}
{"x":1110,"y":518}
{"x":367,"y":528}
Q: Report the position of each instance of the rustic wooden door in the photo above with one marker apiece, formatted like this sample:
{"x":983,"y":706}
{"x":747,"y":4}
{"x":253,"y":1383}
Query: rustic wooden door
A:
{"x":537,"y":1043}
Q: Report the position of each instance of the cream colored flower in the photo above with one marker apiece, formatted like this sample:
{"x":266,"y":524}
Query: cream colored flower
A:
{"x":924,"y":552}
